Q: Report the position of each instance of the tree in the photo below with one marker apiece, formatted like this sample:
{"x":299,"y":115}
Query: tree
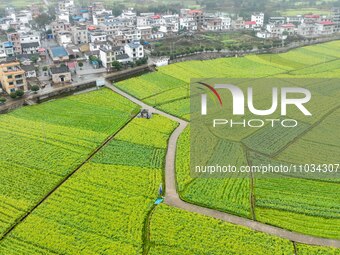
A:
{"x":80,"y":64}
{"x":118,"y":9}
{"x":13,"y":95}
{"x":11,"y":30}
{"x":117,"y":65}
{"x":35,"y":88}
{"x":2,"y":100}
{"x":2,"y":12}
{"x":34,"y":59}
{"x":19,"y":93}
{"x":45,"y":68}
{"x":42,"y":20}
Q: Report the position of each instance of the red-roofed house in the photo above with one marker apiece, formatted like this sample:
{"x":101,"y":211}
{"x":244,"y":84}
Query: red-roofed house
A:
{"x":195,"y":15}
{"x":156,"y":17}
{"x":326,"y":27}
{"x":311,"y":18}
{"x":249,"y":24}
{"x":289,"y":28}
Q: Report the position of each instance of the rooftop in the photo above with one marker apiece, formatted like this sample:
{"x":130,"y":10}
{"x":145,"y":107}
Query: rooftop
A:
{"x":30,"y":45}
{"x":312,"y":16}
{"x":327,"y":22}
{"x":122,"y":56}
{"x":288,"y":25}
{"x":28,"y":68}
{"x":60,"y":69}
{"x":134,"y":45}
{"x":59,"y":51}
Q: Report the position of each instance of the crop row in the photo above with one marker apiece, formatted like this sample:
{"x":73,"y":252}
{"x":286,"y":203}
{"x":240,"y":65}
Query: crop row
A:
{"x":142,"y":132}
{"x":174,"y":231}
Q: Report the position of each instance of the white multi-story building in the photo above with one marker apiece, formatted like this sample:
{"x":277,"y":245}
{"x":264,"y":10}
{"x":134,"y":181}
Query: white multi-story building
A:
{"x":108,"y":54}
{"x":5,"y":23}
{"x":6,"y":48}
{"x":130,"y":14}
{"x":188,"y":24}
{"x":95,"y":46}
{"x":326,"y":27}
{"x":131,"y":34}
{"x":258,"y":18}
{"x":336,"y":19}
{"x":143,"y":21}
{"x":23,"y":17}
{"x":146,"y":32}
{"x":97,"y":36}
{"x":30,"y":37}
{"x":66,"y":6}
{"x":63,"y":16}
{"x":64,"y":38}
{"x":306,"y":29}
{"x":217,"y":23}
{"x":134,"y":50}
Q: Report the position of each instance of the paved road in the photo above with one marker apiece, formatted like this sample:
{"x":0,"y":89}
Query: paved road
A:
{"x":172,"y":198}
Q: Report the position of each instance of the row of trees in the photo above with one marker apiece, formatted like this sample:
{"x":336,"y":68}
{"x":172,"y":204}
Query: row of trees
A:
{"x":118,"y":66}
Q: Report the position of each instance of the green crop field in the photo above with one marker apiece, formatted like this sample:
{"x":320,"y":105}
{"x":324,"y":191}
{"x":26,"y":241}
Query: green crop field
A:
{"x":284,"y":203}
{"x":102,"y":208}
{"x":172,"y":229}
{"x":44,"y":143}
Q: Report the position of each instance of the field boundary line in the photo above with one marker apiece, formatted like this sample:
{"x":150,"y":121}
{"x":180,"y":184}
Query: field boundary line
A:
{"x":146,"y":230}
{"x":68,"y":176}
{"x":295,"y":248}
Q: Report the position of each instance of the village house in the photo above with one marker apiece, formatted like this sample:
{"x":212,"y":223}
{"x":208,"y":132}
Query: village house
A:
{"x":195,"y":15}
{"x":14,"y":38}
{"x":258,"y":18}
{"x":60,"y":74}
{"x":60,"y":26}
{"x":250,"y":24}
{"x":12,"y":76}
{"x":30,"y":48}
{"x":108,"y":54}
{"x":306,"y":30}
{"x":277,"y":20}
{"x":79,"y":34}
{"x":97,"y":36}
{"x":326,"y":27}
{"x":6,"y":48}
{"x":145,"y":32}
{"x":217,"y":23}
{"x":58,"y":54}
{"x":134,"y":50}
{"x":238,"y":23}
{"x":30,"y":71}
{"x":336,"y":18}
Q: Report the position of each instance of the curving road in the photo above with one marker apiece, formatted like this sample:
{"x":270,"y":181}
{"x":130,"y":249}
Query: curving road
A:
{"x":172,"y":198}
